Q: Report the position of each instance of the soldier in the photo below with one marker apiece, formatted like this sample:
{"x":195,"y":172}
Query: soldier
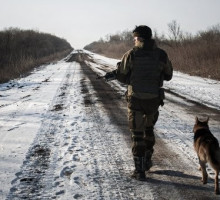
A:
{"x":143,"y":69}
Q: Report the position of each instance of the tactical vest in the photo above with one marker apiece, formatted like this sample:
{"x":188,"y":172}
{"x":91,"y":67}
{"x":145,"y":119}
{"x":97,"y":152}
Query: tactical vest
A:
{"x":146,"y":72}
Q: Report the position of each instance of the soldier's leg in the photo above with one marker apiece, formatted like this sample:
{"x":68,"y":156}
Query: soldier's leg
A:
{"x":149,"y":138}
{"x":136,"y":125}
{"x":138,"y":143}
{"x":151,"y":116}
{"x":156,"y":116}
{"x":150,"y":142}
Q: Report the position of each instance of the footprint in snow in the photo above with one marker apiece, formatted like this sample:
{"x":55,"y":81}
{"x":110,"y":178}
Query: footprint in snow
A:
{"x":76,"y":157}
{"x":60,"y":192}
{"x":77,"y":196}
{"x":66,"y":162}
{"x":77,"y":180}
{"x":67,"y":171}
{"x":65,"y":144}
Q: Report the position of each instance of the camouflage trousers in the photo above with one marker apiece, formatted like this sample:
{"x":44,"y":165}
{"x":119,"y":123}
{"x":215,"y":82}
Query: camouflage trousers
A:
{"x":142,"y":116}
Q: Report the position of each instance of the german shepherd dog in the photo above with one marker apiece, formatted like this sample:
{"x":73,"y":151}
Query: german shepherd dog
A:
{"x":207,"y":149}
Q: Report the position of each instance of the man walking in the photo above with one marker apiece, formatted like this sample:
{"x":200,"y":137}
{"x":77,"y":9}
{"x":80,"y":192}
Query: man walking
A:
{"x":143,"y":69}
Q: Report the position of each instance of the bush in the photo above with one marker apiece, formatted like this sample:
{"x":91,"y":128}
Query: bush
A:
{"x":22,"y":50}
{"x":198,"y":56}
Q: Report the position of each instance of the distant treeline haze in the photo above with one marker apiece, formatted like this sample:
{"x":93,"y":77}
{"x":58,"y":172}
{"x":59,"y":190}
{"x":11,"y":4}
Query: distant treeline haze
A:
{"x":196,"y":55}
{"x":22,"y":50}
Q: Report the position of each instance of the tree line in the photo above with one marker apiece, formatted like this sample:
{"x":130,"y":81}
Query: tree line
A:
{"x":22,"y":50}
{"x":197,"y":54}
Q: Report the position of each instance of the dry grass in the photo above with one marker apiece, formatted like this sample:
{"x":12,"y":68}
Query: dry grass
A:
{"x":198,"y":55}
{"x":22,"y":66}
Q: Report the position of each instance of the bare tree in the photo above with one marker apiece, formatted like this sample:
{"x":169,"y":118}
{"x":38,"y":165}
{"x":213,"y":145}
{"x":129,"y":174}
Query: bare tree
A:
{"x":175,"y":31}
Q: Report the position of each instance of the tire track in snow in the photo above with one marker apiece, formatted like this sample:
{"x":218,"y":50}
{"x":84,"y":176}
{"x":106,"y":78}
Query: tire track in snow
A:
{"x":115,"y":144}
{"x":35,"y":179}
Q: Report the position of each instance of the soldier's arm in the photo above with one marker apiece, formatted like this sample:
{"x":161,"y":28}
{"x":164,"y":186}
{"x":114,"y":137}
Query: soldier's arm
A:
{"x":123,"y":68}
{"x":167,"y":66}
{"x":168,"y":70}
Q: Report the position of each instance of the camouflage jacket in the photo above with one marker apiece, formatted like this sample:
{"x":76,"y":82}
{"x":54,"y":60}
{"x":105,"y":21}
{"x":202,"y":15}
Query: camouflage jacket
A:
{"x":144,"y":70}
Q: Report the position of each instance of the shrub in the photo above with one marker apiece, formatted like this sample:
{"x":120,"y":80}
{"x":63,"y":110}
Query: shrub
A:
{"x":22,"y":50}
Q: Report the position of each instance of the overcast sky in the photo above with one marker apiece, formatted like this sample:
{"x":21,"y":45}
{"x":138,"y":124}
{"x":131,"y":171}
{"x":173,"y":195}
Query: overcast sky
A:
{"x":81,"y":22}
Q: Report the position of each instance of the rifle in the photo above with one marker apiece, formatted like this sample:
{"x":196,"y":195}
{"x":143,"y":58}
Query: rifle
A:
{"x":109,"y":76}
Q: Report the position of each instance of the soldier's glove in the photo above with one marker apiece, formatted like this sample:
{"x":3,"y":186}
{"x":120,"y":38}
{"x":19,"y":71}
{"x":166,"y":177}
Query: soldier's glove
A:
{"x":118,"y":64}
{"x":109,"y":76}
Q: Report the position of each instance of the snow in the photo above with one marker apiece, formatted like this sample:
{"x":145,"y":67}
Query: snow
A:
{"x":26,"y":104}
{"x":201,"y":90}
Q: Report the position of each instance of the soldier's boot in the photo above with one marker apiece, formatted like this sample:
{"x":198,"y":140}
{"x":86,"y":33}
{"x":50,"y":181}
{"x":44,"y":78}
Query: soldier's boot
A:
{"x":139,"y":172}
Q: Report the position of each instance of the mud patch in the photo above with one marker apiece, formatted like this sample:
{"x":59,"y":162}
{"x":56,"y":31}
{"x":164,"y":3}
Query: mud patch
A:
{"x":36,"y":88}
{"x":87,"y":101}
{"x":40,"y":151}
{"x":73,"y":57}
{"x":62,"y":94}
{"x":58,"y":107}
{"x":87,"y":96}
{"x":25,"y":97}
{"x":46,"y":80}
{"x":30,"y":177}
{"x":79,"y":57}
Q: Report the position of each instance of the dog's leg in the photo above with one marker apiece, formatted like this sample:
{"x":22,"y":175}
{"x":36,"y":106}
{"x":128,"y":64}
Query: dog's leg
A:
{"x":216,"y":182}
{"x":204,"y":172}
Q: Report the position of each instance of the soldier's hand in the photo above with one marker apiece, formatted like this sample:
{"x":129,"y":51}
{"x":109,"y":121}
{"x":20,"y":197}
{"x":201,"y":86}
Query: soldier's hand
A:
{"x":118,"y":64}
{"x":110,"y":76}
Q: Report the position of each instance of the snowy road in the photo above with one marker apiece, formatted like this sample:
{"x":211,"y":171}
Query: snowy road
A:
{"x":64,"y":135}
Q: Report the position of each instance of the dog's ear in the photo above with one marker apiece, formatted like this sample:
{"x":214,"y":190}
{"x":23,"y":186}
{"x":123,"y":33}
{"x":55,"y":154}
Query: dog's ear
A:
{"x":207,"y":120}
{"x":197,"y":119}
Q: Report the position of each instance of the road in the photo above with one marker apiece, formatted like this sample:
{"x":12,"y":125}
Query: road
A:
{"x":82,"y":149}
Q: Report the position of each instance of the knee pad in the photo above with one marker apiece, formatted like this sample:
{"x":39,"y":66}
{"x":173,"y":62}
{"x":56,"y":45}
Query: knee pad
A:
{"x":149,"y":138}
{"x":137,"y":136}
{"x":138,"y":143}
{"x":137,"y":121}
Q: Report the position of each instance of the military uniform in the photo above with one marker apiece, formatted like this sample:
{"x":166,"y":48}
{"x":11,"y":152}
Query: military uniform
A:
{"x":144,"y":69}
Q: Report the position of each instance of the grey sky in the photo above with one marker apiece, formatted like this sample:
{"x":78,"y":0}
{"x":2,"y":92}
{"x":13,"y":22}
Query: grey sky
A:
{"x":81,"y":22}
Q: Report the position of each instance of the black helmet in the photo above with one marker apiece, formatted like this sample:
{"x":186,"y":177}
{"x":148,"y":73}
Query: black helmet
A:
{"x":142,"y":31}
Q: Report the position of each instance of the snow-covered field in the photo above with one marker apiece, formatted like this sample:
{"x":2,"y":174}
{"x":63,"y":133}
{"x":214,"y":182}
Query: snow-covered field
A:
{"x":27,"y":108}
